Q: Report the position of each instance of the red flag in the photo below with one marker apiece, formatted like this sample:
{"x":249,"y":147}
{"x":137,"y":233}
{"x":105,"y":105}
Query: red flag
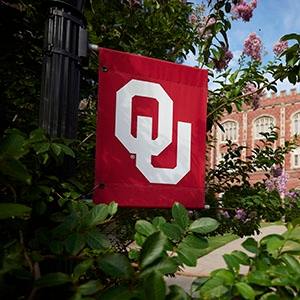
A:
{"x":150,"y":148}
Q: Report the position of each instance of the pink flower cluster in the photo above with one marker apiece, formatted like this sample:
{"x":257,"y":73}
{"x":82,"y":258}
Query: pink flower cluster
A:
{"x":193,"y":19}
{"x":279,"y":47}
{"x":293,"y":195}
{"x":244,"y":10}
{"x":223,"y":62}
{"x":277,"y":183}
{"x":253,"y":46}
{"x":202,"y":25}
{"x":240,"y":214}
{"x":254,"y":97}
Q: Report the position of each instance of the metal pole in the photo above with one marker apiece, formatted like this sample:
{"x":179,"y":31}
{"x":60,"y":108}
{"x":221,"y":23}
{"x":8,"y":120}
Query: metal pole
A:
{"x":65,"y":49}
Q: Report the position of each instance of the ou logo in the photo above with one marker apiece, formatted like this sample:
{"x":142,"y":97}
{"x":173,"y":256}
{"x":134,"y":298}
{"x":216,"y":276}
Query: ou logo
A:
{"x":143,"y":145}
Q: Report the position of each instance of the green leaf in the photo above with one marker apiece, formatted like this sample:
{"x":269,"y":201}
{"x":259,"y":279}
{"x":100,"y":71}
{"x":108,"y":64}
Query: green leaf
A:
{"x":204,"y":225}
{"x":226,"y":275}
{"x":8,"y":210}
{"x":158,"y":221}
{"x":172,"y":231}
{"x":241,"y":257}
{"x":195,"y":242}
{"x":187,"y":255}
{"x":292,"y":263}
{"x":295,"y":233}
{"x":41,"y":147}
{"x":233,"y":76}
{"x":155,"y":287}
{"x":291,"y":36}
{"x":116,"y":293}
{"x":139,"y":239}
{"x":283,"y":281}
{"x":112,"y":208}
{"x":166,"y":265}
{"x":75,"y":243}
{"x":259,"y":277}
{"x":152,"y":249}
{"x":213,"y":288}
{"x":89,"y":288}
{"x":37,"y":135}
{"x":81,"y":268}
{"x":231,"y":262}
{"x":97,"y":215}
{"x":15,"y":169}
{"x":67,"y":227}
{"x":66,"y":150}
{"x":12,"y":146}
{"x":251,"y":245}
{"x":274,"y":242}
{"x":144,"y":227}
{"x":40,"y":207}
{"x":53,"y":279}
{"x":180,"y":215}
{"x":97,"y":240}
{"x":133,"y":253}
{"x":177,"y":293}
{"x":245,"y":290}
{"x":116,"y":265}
{"x":56,"y":149}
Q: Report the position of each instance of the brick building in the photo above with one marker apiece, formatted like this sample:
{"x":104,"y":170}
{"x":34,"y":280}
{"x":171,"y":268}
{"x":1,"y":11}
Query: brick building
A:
{"x":244,"y":128}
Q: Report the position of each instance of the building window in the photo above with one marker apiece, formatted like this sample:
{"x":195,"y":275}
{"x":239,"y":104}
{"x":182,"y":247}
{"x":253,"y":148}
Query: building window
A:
{"x":295,"y":158}
{"x":230,"y":131}
{"x":296,"y":123}
{"x":263,"y":125}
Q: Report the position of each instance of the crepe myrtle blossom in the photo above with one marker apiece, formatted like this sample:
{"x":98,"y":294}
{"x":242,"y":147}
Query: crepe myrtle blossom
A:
{"x":226,"y":214}
{"x":277,"y":183}
{"x":240,"y":214}
{"x":223,"y":62}
{"x":253,"y":47}
{"x":254,"y":96}
{"x":293,"y":195}
{"x":243,"y":10}
{"x":193,"y":19}
{"x":279,"y":47}
{"x":203,"y":30}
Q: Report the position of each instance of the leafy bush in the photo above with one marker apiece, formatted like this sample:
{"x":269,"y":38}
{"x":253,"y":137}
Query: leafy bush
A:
{"x":274,"y":270}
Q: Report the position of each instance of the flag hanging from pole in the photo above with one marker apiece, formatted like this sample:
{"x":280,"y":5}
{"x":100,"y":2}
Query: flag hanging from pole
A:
{"x":151,"y":132}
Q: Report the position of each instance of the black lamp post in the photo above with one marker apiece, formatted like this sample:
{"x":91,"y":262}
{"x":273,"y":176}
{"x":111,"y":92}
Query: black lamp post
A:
{"x":65,"y":49}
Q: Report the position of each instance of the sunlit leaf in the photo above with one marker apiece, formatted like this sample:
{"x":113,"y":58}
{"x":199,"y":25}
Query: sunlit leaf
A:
{"x":204,"y":225}
{"x":144,"y":227}
{"x":245,"y":290}
{"x":180,"y":215}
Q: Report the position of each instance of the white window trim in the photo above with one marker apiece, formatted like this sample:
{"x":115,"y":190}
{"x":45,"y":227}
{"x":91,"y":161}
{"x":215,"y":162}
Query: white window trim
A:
{"x":256,"y":130}
{"x":295,"y":154}
{"x":294,"y":117}
{"x":225,"y":136}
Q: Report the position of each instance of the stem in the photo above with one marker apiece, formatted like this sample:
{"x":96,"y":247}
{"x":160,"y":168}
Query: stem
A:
{"x":88,"y":137}
{"x":240,"y":97}
{"x":12,"y":190}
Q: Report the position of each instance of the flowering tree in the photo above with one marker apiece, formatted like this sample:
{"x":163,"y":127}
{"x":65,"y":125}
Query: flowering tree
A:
{"x":53,"y":225}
